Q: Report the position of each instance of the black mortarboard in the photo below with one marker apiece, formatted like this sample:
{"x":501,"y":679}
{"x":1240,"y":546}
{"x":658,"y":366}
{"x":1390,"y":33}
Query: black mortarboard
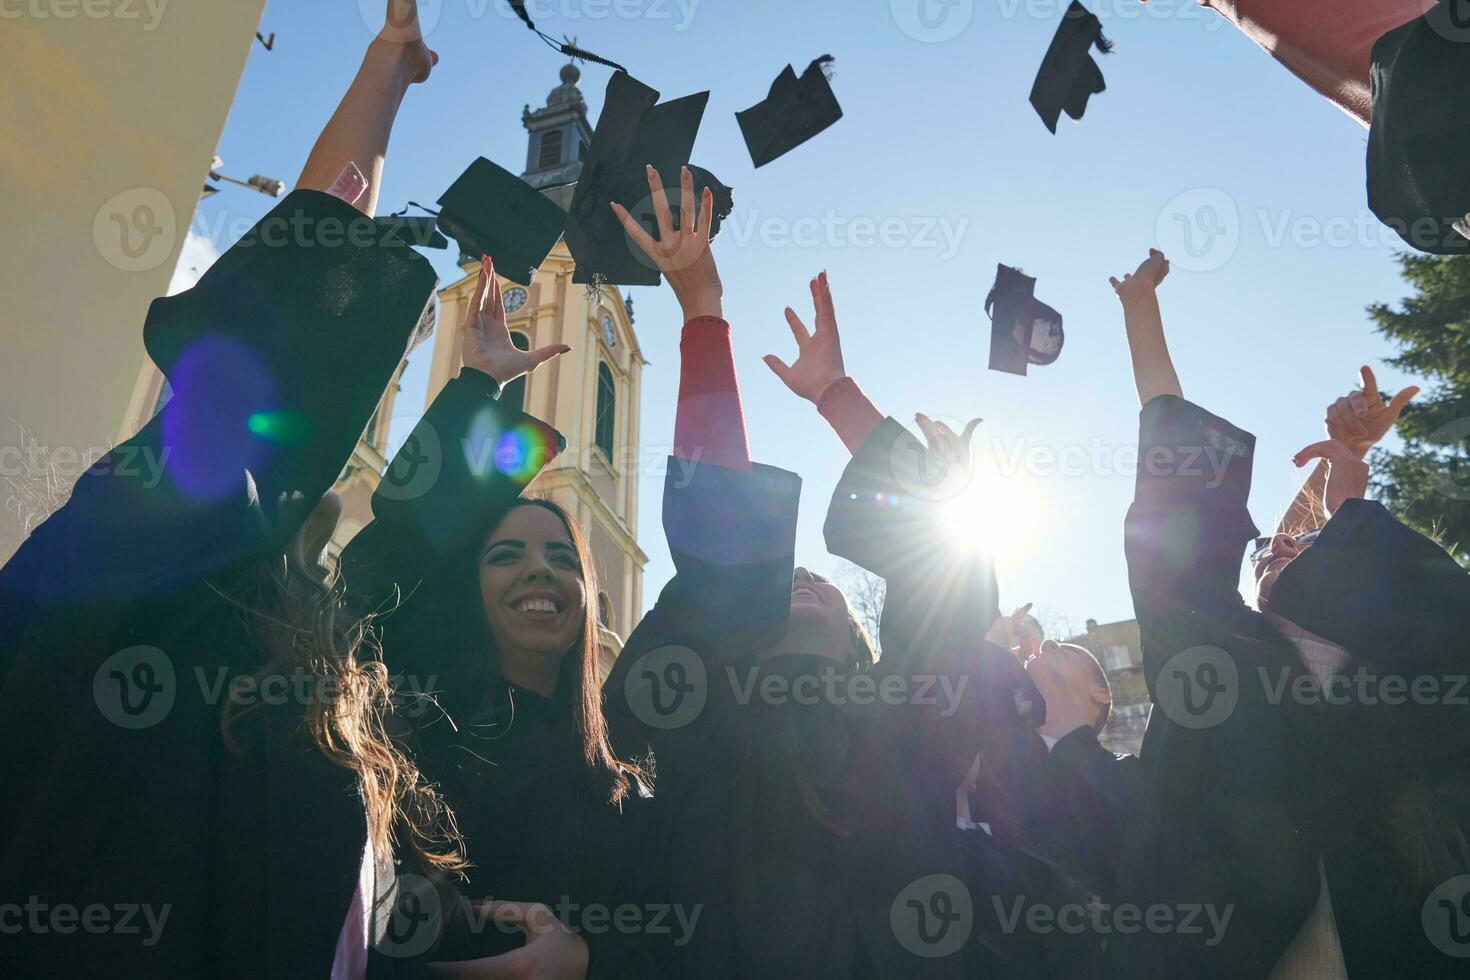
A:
{"x":490,"y":211}
{"x":1069,"y":76}
{"x":417,"y":229}
{"x":1023,"y":330}
{"x":796,"y":110}
{"x":1419,"y":145}
{"x":632,"y":132}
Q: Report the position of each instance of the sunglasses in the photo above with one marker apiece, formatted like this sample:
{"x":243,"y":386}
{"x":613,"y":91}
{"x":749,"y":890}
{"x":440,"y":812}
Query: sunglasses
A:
{"x":1263,"y":544}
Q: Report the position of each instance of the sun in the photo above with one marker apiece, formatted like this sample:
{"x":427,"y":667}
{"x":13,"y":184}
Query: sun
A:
{"x":996,"y":513}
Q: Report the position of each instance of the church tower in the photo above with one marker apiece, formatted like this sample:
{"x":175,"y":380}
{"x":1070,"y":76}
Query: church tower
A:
{"x":591,"y":394}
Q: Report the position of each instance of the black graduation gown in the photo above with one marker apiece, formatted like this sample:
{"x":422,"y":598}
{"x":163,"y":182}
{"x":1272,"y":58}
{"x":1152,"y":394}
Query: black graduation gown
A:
{"x":1085,"y":800}
{"x":534,"y":829}
{"x":1247,"y":789}
{"x":122,"y":793}
{"x":784,"y":891}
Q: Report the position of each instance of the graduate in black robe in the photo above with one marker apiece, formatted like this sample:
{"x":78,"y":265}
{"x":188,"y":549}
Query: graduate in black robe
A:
{"x":805,"y":794}
{"x":166,"y":788}
{"x":493,"y":620}
{"x":1327,"y":816}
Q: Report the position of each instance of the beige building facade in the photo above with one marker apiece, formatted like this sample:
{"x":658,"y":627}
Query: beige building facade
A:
{"x":98,"y":180}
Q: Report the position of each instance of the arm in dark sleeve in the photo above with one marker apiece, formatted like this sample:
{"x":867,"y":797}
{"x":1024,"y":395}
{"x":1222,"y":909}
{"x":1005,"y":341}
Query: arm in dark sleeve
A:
{"x":887,"y":516}
{"x":1380,"y":589}
{"x":458,"y":473}
{"x":732,"y":536}
{"x":276,"y":359}
{"x":1187,"y":530}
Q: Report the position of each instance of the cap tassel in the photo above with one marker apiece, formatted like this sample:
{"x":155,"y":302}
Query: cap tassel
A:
{"x":565,"y":46}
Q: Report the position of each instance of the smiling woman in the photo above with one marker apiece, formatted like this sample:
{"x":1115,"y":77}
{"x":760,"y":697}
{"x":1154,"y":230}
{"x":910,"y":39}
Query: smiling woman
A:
{"x":496,"y":620}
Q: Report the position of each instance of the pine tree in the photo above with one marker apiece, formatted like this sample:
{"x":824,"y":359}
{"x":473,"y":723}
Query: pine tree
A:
{"x":1427,"y":484}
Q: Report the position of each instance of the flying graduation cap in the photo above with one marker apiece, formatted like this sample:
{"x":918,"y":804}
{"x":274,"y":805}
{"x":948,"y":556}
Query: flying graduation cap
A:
{"x":1069,"y":76}
{"x":490,"y":211}
{"x":1023,"y":330}
{"x":632,"y":132}
{"x":795,"y":110}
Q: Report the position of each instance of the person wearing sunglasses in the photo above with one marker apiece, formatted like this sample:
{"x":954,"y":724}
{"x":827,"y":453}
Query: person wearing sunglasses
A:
{"x":1323,"y":812}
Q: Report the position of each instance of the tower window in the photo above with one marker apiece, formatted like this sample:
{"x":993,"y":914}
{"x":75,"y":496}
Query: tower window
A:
{"x":513,"y":395}
{"x":550,"y":149}
{"x":607,"y":399}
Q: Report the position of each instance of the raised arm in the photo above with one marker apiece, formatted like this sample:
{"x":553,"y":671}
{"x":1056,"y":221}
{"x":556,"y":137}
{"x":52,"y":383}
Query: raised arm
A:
{"x":462,"y":467}
{"x":1357,"y":420}
{"x":349,"y":155}
{"x":1153,"y":368}
{"x":709,"y":424}
{"x":819,"y":375}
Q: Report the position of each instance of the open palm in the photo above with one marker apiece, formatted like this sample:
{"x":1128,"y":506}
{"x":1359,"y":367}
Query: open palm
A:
{"x":485,"y":339}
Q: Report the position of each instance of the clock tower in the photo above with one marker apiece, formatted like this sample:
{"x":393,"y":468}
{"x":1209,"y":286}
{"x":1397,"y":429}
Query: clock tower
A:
{"x":591,"y":394}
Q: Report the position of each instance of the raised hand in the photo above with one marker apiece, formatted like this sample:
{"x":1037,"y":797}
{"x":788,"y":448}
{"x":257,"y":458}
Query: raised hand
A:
{"x":1015,"y":634}
{"x":485,"y":343}
{"x":1347,"y":474}
{"x":683,"y":256}
{"x":818,"y":362}
{"x":949,"y":453}
{"x":1360,"y":419}
{"x":1150,"y":275}
{"x":401,"y":31}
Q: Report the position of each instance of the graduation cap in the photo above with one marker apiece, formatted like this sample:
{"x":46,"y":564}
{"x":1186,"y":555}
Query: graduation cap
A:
{"x":1024,"y":330}
{"x":796,"y":110}
{"x":490,"y":211}
{"x":1069,"y":76}
{"x":632,"y":132}
{"x":1419,"y":144}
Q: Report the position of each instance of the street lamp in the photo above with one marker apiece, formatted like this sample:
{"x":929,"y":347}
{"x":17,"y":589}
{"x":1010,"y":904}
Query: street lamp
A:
{"x":268,"y":186}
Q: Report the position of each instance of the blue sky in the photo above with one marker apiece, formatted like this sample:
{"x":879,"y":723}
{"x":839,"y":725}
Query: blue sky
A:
{"x":939,"y":170}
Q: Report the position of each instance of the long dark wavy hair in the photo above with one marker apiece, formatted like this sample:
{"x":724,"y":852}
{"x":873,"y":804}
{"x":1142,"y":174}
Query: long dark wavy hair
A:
{"x":299,"y":626}
{"x":452,"y":642}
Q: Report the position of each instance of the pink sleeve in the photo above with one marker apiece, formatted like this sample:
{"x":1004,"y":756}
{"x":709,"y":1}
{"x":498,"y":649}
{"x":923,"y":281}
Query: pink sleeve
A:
{"x":849,"y":412}
{"x":709,"y":425}
{"x":1326,"y":43}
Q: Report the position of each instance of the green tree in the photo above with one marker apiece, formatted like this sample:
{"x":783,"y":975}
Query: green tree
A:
{"x":1427,"y":483}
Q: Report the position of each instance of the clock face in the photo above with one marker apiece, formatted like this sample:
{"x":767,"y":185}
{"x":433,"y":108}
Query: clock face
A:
{"x":609,"y":335}
{"x":514,"y":298}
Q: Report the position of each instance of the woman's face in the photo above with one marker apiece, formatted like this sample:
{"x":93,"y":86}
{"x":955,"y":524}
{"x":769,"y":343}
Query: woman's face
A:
{"x":1283,"y":550}
{"x":531,"y":584}
{"x":819,"y":615}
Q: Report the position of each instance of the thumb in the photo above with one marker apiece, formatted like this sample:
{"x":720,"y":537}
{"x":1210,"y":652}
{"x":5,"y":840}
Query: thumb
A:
{"x":541,"y":355}
{"x":970,"y":430}
{"x":780,"y":368}
{"x":1328,"y":449}
{"x":1396,"y":405}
